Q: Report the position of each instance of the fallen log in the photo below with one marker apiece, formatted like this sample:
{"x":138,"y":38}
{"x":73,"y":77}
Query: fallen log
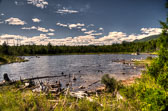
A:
{"x":44,"y":77}
{"x":94,"y":83}
{"x":29,"y":79}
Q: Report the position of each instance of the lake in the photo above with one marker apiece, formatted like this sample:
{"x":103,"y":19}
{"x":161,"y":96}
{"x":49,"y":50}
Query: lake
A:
{"x":86,"y":68}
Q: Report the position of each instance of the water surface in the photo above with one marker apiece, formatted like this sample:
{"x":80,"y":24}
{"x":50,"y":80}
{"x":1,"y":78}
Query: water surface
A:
{"x":86,"y":68}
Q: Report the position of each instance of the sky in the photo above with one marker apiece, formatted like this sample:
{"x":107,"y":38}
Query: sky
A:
{"x":79,"y":22}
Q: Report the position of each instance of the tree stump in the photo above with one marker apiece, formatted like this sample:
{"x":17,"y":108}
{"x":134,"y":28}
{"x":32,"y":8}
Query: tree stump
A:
{"x":6,"y":78}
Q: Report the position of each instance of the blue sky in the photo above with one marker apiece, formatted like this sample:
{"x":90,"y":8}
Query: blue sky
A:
{"x":79,"y":22}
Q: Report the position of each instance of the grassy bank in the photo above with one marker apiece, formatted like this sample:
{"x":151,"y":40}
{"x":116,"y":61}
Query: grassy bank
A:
{"x":5,"y":59}
{"x":145,"y":94}
{"x":144,"y":62}
{"x":14,"y":98}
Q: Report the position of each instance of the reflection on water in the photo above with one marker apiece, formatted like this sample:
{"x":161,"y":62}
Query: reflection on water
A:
{"x":87,"y":68}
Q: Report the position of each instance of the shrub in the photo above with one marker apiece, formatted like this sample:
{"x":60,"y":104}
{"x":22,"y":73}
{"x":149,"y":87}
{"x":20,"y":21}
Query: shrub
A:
{"x":110,"y":83}
{"x":149,"y":58}
{"x":163,"y":80}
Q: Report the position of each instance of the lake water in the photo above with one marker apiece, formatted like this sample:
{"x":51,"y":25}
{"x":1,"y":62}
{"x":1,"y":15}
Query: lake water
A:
{"x":86,"y":68}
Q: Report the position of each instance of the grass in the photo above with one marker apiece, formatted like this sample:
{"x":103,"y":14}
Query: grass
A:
{"x":14,"y":98}
{"x":144,"y":62}
{"x":5,"y":59}
{"x":144,"y":94}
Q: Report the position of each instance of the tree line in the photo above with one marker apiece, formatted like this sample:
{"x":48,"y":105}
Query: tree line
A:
{"x":148,"y":46}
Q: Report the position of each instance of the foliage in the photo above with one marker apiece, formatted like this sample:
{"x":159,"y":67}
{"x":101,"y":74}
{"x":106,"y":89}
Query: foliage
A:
{"x":12,"y":99}
{"x":150,"y":93}
{"x":110,"y":83}
{"x":146,"y":94}
{"x":149,"y":58}
{"x":148,"y":46}
{"x":10,"y":59}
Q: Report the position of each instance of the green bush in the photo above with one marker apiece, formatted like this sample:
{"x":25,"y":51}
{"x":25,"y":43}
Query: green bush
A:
{"x":149,"y":58}
{"x":3,"y":60}
{"x":146,"y":95}
{"x":110,"y":83}
{"x":163,"y":80}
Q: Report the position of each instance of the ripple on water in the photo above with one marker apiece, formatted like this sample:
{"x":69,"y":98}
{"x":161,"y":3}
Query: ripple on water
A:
{"x":87,"y":68}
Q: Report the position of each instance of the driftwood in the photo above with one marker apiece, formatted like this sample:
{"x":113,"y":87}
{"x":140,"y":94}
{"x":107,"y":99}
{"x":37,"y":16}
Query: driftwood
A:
{"x":94,"y":83}
{"x":44,"y":77}
{"x":28,"y":79}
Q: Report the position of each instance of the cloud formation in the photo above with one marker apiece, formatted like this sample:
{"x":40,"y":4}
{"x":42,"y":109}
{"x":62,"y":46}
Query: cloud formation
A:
{"x":14,"y":21}
{"x":62,"y":25}
{"x":78,"y":25}
{"x":83,"y":29}
{"x":38,"y":3}
{"x":111,"y":38}
{"x":36,"y":20}
{"x":51,"y":30}
{"x":101,"y":29}
{"x":41,"y":29}
{"x":50,"y":34}
{"x":2,"y":14}
{"x":66,"y":11}
{"x":71,"y":26}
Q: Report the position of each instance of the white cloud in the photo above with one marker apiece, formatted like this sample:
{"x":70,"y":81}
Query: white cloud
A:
{"x":78,"y":25}
{"x":111,"y":38}
{"x":38,"y":3}
{"x":50,"y":34}
{"x":70,"y":26}
{"x":93,"y":33}
{"x":66,"y":11}
{"x":11,"y":39}
{"x":96,"y":34}
{"x":101,"y":29}
{"x":29,"y":28}
{"x":51,"y":30}
{"x":15,"y":21}
{"x":41,"y":29}
{"x":62,"y":25}
{"x":83,"y":30}
{"x":2,"y":14}
{"x":146,"y":32}
{"x":151,"y":30}
{"x":90,"y":32}
{"x":91,"y":25}
{"x":7,"y":36}
{"x":16,"y":3}
{"x":36,"y":20}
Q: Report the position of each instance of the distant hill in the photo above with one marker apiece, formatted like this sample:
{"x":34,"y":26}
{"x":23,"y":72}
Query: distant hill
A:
{"x":147,"y":38}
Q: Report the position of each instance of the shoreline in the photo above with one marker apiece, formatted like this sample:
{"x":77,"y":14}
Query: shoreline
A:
{"x":5,"y":59}
{"x":97,"y":53}
{"x":124,"y":76}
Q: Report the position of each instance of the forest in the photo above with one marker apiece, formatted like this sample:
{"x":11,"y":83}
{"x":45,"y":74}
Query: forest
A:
{"x":125,"y":47}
